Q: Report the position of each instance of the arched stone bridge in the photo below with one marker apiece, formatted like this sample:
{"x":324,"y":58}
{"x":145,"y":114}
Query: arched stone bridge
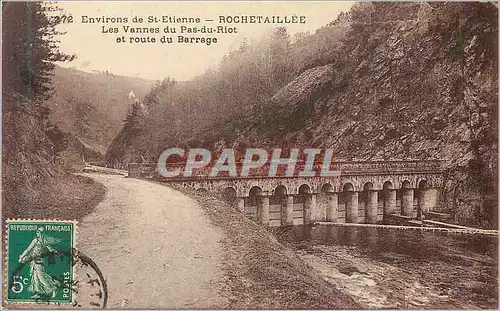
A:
{"x":365,"y":191}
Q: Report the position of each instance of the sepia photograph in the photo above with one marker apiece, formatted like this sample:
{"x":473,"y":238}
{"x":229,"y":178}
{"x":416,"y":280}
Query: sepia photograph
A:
{"x":307,"y":155}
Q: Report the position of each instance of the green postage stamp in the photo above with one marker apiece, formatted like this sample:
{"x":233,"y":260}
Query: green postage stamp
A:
{"x":39,"y":262}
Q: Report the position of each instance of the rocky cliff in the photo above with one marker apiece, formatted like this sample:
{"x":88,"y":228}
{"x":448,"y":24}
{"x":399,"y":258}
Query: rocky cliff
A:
{"x":33,"y":185}
{"x":27,"y":153}
{"x":421,"y":88}
{"x":406,"y":81}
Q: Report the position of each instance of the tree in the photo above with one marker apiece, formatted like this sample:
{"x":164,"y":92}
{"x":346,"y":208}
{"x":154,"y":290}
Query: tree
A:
{"x":280,"y":67}
{"x":30,"y":47}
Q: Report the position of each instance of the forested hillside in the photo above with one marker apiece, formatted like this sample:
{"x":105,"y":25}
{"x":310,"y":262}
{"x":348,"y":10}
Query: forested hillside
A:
{"x":92,"y":106}
{"x":384,"y":81}
{"x":33,"y":184}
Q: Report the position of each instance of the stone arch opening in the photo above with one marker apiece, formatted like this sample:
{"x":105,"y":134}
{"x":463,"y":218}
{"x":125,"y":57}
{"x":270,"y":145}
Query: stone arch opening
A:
{"x":368,"y":204}
{"x":300,"y":202}
{"x":388,"y":185}
{"x":303,"y":190}
{"x":406,"y":184}
{"x":327,"y":204}
{"x":327,"y":188}
{"x":252,"y":202}
{"x":421,"y":195}
{"x":229,"y":195}
{"x":253,"y":195}
{"x":347,"y":187}
{"x":422,"y":184}
{"x":279,"y":194}
{"x":277,"y":206}
{"x":406,"y":199}
{"x":368,"y":186}
{"x":351,"y":203}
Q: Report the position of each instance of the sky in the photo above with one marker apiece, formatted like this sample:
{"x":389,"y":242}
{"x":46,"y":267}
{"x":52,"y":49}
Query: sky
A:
{"x":97,"y":49}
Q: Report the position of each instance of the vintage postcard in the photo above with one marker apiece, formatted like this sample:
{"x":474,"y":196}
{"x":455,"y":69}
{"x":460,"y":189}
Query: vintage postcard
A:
{"x":249,"y":155}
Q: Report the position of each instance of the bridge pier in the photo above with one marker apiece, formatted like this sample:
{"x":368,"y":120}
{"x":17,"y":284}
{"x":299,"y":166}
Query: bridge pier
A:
{"x":305,"y":209}
{"x":263,"y":210}
{"x":309,"y":208}
{"x":332,"y":207}
{"x":314,"y":206}
{"x":240,"y":204}
{"x":351,"y":206}
{"x":371,"y":207}
{"x":287,"y":216}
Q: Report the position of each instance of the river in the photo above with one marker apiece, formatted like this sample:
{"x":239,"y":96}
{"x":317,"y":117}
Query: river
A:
{"x":396,"y":268}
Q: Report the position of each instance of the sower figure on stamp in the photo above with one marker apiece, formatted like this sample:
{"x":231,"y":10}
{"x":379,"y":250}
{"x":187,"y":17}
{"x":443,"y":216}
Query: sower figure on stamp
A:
{"x":42,"y":284}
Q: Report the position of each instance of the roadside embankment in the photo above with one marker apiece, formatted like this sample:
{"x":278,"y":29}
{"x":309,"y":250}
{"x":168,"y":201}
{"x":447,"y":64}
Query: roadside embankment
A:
{"x":64,"y":197}
{"x":261,"y":273}
{"x":33,"y":186}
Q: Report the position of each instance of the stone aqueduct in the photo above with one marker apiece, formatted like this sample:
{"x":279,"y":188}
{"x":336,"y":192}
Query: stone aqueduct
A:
{"x":365,"y":192}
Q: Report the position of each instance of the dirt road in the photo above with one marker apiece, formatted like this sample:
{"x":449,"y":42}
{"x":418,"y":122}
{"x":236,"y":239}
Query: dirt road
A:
{"x":154,"y":246}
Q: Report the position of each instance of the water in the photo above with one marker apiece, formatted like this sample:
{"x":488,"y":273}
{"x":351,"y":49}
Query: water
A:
{"x":394,"y":268}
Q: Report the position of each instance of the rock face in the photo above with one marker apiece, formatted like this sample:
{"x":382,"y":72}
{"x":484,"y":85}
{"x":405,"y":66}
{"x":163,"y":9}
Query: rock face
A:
{"x":70,"y":153}
{"x":417,"y":94}
{"x":34,"y":183}
{"x":27,"y":153}
{"x":409,"y":81}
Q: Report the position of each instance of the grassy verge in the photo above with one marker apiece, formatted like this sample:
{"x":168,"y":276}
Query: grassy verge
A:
{"x":66,"y":197}
{"x":261,"y":273}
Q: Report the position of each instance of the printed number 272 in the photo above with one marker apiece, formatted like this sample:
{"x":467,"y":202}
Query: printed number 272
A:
{"x":65,"y":19}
